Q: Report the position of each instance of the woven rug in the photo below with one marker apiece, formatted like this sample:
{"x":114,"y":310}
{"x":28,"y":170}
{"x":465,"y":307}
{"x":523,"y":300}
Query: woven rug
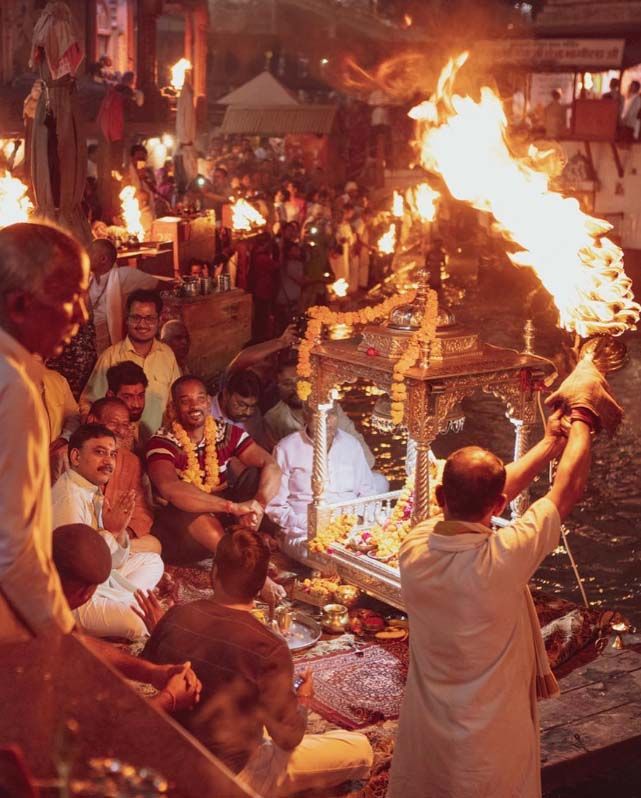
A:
{"x":354,"y":689}
{"x":365,"y":691}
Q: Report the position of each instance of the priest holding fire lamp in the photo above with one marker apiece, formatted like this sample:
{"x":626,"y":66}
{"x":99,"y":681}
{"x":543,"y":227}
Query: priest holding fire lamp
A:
{"x":468,"y":724}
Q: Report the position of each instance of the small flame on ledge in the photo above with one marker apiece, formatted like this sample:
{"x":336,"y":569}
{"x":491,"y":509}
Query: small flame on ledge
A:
{"x":178,"y":72}
{"x":340,"y":287}
{"x":131,"y":212}
{"x":387,"y":242}
{"x":245,"y":218}
{"x":15,"y":205}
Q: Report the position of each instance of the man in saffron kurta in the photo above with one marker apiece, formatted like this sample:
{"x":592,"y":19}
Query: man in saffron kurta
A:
{"x":468,"y":725}
{"x":127,"y":475}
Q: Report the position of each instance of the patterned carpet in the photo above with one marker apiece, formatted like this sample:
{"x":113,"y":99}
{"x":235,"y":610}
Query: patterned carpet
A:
{"x":363,"y":688}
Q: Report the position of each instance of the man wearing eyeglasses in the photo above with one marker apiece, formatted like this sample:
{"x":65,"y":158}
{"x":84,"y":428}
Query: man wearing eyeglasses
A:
{"x":142,"y":347}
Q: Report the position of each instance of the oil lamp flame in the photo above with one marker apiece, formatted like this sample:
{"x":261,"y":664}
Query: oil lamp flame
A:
{"x":131,"y":212}
{"x":465,"y":142}
{"x":387,"y":242}
{"x":340,"y":287}
{"x":398,"y":205}
{"x":178,"y":72}
{"x":245,"y":217}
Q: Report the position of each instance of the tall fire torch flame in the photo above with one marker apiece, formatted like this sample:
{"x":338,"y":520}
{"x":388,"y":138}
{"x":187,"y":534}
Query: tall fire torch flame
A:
{"x":131,"y":212}
{"x":465,"y":142}
{"x":178,"y":72}
{"x":245,"y":217}
{"x":387,"y":242}
{"x":423,"y":199}
{"x":398,"y":205}
{"x":15,"y":205}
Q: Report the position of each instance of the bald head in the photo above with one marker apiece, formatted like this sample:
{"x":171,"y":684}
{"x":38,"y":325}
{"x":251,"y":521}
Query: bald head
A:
{"x":473,"y":481}
{"x":30,"y":252}
{"x":175,"y":334}
{"x":43,"y":281}
{"x":82,"y":558}
{"x":100,"y":405}
{"x":102,"y":255}
{"x":172,"y":328}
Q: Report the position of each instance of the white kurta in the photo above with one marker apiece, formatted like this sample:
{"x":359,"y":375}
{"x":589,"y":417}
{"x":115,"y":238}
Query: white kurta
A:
{"x":469,"y":724}
{"x":348,"y":477}
{"x":108,"y":613}
{"x":30,"y":589}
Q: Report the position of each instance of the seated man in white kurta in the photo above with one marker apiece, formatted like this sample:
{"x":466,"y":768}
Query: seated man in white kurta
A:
{"x":468,"y":724}
{"x":78,"y":499}
{"x":348,"y":477}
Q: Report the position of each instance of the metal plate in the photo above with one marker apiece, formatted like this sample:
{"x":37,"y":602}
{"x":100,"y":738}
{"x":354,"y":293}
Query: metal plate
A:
{"x":303,"y":633}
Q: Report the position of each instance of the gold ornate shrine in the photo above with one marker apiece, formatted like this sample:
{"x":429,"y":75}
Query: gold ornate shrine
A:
{"x":456,"y":365}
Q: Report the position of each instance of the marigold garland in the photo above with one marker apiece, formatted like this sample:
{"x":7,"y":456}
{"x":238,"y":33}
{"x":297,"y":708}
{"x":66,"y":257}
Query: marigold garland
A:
{"x":320,"y":316}
{"x":424,"y":335}
{"x":193,"y":473}
{"x":336,"y":529}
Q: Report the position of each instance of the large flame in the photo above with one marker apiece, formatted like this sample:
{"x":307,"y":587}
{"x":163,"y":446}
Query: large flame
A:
{"x":131,"y":212}
{"x":422,"y":199}
{"x":15,"y":205}
{"x":465,"y":142}
{"x":387,"y":242}
{"x":245,"y":217}
{"x":178,"y":72}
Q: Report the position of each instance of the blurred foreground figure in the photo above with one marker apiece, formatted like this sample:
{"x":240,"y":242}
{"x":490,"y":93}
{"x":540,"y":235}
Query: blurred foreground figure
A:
{"x":44,"y":276}
{"x":477,"y":659}
{"x":83,"y":560}
{"x":251,"y":716}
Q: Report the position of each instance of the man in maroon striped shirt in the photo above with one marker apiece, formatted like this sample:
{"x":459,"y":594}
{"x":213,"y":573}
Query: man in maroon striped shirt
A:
{"x":197,"y":511}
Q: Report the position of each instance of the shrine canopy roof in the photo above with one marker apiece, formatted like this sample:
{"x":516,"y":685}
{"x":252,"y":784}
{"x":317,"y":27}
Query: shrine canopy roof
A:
{"x":279,"y":121}
{"x":554,"y":55}
{"x":261,"y":90}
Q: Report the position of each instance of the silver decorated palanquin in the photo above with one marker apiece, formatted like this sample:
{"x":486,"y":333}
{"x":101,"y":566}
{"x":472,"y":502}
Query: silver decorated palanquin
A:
{"x":457,"y":365}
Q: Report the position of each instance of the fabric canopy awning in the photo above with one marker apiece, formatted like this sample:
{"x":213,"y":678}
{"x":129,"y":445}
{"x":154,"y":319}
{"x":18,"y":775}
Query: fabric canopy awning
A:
{"x":278,"y":121}
{"x":261,"y":90}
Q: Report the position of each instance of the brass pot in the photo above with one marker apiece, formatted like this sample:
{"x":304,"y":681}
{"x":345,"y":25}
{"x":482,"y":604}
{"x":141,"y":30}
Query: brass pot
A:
{"x":335,"y":618}
{"x":347,"y":595}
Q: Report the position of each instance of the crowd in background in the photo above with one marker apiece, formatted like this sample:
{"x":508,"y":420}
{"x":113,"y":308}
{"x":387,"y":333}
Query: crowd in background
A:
{"x":314,"y":233}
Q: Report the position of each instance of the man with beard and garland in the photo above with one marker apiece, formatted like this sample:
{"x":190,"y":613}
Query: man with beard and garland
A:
{"x":187,"y":463}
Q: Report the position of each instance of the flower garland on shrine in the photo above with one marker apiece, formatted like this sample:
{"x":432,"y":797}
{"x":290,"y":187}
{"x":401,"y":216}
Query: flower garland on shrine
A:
{"x":424,"y":335}
{"x":389,"y":535}
{"x":193,"y":473}
{"x":320,"y":316}
{"x":384,"y":537}
{"x":336,"y":529}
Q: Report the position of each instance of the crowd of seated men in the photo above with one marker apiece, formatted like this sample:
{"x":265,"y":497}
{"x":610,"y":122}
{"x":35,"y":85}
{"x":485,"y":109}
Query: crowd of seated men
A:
{"x":155,"y":467}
